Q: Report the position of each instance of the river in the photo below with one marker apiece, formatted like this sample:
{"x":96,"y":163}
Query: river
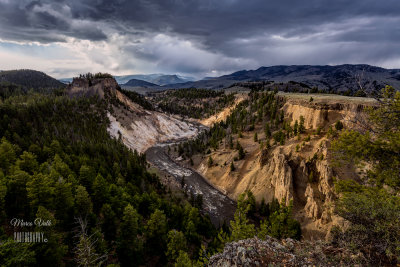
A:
{"x":216,"y":204}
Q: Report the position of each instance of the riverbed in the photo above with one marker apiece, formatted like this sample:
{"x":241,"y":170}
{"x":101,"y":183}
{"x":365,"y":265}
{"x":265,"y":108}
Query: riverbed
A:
{"x":216,"y":204}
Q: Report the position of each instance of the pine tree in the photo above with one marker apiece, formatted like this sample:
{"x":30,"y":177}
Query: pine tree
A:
{"x":267,"y":131}
{"x":83,"y":203}
{"x":240,"y":226}
{"x":129,"y":246}
{"x":295,"y":127}
{"x":100,"y":192}
{"x":210,"y":161}
{"x":301,"y":128}
{"x":40,"y":190}
{"x":176,"y":243}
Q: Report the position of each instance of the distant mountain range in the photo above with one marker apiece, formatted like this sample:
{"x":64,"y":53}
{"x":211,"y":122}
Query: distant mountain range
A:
{"x":29,"y":79}
{"x":158,"y":79}
{"x":335,"y":79}
{"x":140,"y":83}
{"x":332,"y":78}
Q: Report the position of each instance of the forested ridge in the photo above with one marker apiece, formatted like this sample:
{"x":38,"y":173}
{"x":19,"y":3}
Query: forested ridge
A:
{"x":260,"y":108}
{"x":192,"y":102}
{"x":29,"y":79}
{"x":59,"y":163}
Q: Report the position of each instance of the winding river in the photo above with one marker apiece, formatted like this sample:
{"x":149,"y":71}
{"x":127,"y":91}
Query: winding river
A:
{"x":217,"y":205}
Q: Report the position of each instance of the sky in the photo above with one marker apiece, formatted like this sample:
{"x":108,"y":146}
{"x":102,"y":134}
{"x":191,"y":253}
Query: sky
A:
{"x":195,"y":38}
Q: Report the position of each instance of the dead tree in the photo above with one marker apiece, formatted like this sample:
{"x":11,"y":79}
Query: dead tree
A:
{"x":85,"y":252}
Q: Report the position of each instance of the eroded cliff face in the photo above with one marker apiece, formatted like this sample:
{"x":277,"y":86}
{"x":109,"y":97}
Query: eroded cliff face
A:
{"x":138,"y":128}
{"x":299,"y":170}
{"x":327,"y":110}
{"x":99,"y":87}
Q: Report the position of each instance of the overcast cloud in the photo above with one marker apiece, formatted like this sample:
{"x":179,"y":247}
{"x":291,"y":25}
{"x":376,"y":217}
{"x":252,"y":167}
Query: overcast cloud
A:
{"x":196,"y":38}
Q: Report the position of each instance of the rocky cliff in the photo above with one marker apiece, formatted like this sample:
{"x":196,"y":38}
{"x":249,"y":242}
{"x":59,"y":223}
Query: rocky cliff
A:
{"x":91,"y":87}
{"x":301,"y":169}
{"x":138,"y":128}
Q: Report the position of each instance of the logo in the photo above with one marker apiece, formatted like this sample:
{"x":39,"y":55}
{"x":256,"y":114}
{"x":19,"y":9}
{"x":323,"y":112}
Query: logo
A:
{"x":30,"y":236}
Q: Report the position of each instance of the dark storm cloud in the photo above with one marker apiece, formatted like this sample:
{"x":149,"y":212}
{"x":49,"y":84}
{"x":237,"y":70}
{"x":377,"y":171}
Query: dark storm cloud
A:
{"x":265,"y":32}
{"x":43,"y":22}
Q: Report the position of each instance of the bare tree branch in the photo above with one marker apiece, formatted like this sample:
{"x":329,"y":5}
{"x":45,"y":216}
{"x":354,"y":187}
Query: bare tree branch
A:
{"x":85,"y":253}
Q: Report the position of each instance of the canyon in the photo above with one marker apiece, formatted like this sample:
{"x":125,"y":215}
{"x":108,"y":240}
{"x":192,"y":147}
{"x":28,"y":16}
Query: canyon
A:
{"x":301,"y":170}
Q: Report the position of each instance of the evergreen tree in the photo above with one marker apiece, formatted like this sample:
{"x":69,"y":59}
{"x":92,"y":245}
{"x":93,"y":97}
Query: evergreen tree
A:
{"x":100,"y":192}
{"x":232,"y":167}
{"x":40,"y":191}
{"x":301,"y":128}
{"x":240,"y":226}
{"x":295,"y":127}
{"x":83,"y":203}
{"x":183,"y":260}
{"x":373,"y":205}
{"x":210,"y":161}
{"x":176,"y":243}
{"x":267,"y":131}
{"x":129,"y":246}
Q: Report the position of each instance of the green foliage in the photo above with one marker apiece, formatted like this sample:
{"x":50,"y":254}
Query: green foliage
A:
{"x":210,"y":161}
{"x":157,"y":227}
{"x":264,"y":209}
{"x":279,"y":137}
{"x":7,"y":155}
{"x":280,"y":223}
{"x":129,"y":245}
{"x":295,"y":127}
{"x":176,"y":244}
{"x":100,"y":192}
{"x":10,"y":89}
{"x":83,"y":203}
{"x":267,"y":130}
{"x":301,"y":128}
{"x":14,"y":254}
{"x":311,"y":178}
{"x":138,"y":98}
{"x":338,"y":125}
{"x":374,"y":214}
{"x":240,"y":226}
{"x":28,"y":79}
{"x":58,"y":161}
{"x":40,"y":190}
{"x":318,"y":131}
{"x":241,"y":153}
{"x":99,"y":75}
{"x":260,"y":108}
{"x":372,"y":207}
{"x":192,"y":102}
{"x":183,"y":260}
{"x":232,"y":167}
{"x":52,"y":251}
